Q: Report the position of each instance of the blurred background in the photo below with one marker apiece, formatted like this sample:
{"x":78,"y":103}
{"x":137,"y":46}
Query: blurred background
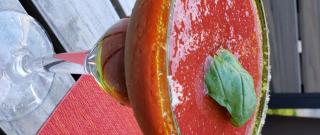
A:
{"x":294,"y":32}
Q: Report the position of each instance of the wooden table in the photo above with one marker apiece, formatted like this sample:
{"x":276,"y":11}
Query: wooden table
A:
{"x":73,"y":25}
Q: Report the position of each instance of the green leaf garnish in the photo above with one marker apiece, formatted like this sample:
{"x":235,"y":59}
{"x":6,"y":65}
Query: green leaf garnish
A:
{"x":231,"y":86}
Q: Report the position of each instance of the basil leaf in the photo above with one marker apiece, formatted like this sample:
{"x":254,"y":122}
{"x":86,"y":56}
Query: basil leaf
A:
{"x":231,"y":86}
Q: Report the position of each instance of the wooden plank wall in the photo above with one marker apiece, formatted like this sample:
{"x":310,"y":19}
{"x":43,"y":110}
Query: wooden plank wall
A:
{"x":283,"y":33}
{"x":310,"y":36}
{"x":289,"y":20}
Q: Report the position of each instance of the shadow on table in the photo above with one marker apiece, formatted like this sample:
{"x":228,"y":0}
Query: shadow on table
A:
{"x":1,"y":132}
{"x":280,"y":125}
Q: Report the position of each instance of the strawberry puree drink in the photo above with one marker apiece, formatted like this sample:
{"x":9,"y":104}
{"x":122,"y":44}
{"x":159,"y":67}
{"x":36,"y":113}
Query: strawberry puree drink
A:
{"x":181,"y":42}
{"x":200,"y":29}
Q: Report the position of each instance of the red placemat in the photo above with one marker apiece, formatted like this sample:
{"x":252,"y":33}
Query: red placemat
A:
{"x":86,"y":109}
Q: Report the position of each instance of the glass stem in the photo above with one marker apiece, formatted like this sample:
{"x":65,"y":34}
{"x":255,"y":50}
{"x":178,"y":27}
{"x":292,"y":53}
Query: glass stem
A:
{"x":74,"y":63}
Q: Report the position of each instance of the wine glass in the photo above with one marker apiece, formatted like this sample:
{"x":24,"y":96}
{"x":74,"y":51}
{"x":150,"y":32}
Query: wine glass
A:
{"x":28,"y":64}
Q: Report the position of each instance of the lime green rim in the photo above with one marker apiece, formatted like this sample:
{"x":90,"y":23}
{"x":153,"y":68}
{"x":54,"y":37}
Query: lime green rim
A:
{"x":264,"y":97}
